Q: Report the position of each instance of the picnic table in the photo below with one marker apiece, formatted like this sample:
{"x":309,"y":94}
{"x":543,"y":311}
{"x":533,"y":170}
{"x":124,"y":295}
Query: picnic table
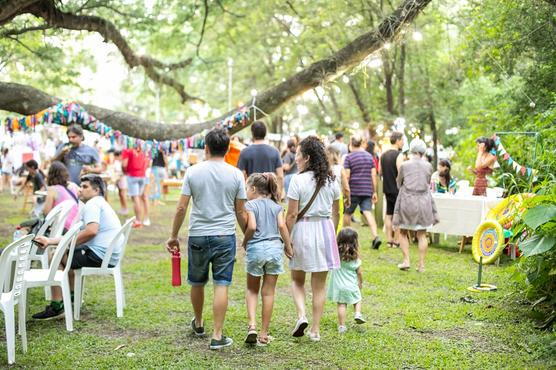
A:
{"x":461,"y":214}
{"x":170,"y":183}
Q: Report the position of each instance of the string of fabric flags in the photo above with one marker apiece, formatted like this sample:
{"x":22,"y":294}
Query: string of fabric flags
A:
{"x":519,"y":169}
{"x":72,"y":113}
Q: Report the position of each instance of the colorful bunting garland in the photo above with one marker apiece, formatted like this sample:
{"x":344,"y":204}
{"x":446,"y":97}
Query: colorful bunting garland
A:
{"x":70,"y":113}
{"x":519,"y":169}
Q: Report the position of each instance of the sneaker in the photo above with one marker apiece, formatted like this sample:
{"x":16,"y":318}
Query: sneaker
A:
{"x":123,"y":211}
{"x":359,"y":318}
{"x":251,"y":337}
{"x":198,"y":330}
{"x":403,"y":267}
{"x":376,"y":243}
{"x":136,"y":224}
{"x":147,"y":222}
{"x":224,"y":342}
{"x":342,"y":329}
{"x":314,"y":337}
{"x":300,"y":327}
{"x":49,"y":313}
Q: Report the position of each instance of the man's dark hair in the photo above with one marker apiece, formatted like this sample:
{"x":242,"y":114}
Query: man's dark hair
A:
{"x":339,"y":135}
{"x":96,"y":182}
{"x":291,"y":144}
{"x":258,"y":130}
{"x":395,"y":137}
{"x":76,"y":129}
{"x":217,"y":142}
{"x":32,"y":164}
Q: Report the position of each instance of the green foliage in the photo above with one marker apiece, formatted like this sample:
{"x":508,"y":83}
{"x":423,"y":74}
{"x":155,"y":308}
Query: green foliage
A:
{"x":535,"y":233}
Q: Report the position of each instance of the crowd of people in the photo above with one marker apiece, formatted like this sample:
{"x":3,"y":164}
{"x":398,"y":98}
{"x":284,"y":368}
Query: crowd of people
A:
{"x":322,"y":185}
{"x":316,"y":182}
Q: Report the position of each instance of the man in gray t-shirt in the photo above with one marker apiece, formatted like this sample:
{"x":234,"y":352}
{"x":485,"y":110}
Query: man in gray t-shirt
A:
{"x":217,"y":190}
{"x":79,"y":158}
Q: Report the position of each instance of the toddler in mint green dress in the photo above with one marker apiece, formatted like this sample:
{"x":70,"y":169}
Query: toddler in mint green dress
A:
{"x":345,"y":283}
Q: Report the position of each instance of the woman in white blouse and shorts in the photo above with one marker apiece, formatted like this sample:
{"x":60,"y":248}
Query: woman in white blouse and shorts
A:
{"x":313,"y":236}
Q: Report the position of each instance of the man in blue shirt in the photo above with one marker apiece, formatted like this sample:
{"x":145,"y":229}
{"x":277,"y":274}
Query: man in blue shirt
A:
{"x":260,"y":157}
{"x":100,"y":226}
{"x":79,"y":158}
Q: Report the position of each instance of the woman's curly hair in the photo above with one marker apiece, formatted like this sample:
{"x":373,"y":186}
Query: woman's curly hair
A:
{"x":313,"y":148}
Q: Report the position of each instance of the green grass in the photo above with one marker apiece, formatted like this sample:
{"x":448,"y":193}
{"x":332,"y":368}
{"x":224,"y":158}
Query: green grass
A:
{"x":414,"y":320}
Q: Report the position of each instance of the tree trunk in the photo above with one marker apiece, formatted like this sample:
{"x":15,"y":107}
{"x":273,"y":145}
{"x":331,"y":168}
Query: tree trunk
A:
{"x":27,"y":100}
{"x":388,"y":69}
{"x":362,"y":108}
{"x":430,"y":115}
{"x":434,"y":130}
{"x":401,"y":81}
{"x":336,"y":107}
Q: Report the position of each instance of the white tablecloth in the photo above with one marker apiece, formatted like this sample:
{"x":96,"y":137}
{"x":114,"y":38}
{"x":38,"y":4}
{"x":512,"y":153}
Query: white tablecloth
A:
{"x":460,"y":215}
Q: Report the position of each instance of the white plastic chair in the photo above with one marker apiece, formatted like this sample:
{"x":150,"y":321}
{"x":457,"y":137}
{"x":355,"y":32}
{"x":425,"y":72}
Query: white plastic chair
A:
{"x":104,"y":269}
{"x":62,"y":211}
{"x":16,"y":293}
{"x":50,"y":220}
{"x":52,"y":276}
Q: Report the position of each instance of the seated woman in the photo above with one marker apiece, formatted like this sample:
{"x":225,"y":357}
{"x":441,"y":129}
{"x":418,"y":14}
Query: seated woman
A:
{"x":442,"y":181}
{"x":60,"y":189}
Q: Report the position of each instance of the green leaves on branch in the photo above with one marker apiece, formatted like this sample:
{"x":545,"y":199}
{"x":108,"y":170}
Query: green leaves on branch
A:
{"x":537,"y":244}
{"x":540,"y":219}
{"x":539,"y":215}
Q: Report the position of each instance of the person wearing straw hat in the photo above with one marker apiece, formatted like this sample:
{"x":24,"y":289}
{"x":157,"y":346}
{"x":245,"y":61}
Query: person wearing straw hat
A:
{"x":415,"y":209}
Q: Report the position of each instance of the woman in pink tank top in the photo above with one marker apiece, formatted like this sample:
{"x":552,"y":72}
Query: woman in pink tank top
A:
{"x":60,"y":189}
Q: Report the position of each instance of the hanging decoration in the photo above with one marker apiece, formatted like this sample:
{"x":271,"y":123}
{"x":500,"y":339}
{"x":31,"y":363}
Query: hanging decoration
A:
{"x":72,"y":113}
{"x":519,"y":169}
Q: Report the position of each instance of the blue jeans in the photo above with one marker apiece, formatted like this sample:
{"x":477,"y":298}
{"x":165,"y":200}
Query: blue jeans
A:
{"x":219,"y":251}
{"x":159,"y":174}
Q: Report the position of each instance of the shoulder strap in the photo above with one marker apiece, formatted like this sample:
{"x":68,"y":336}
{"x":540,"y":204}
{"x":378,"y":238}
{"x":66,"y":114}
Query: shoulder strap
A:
{"x":306,"y":208}
{"x":71,"y":193}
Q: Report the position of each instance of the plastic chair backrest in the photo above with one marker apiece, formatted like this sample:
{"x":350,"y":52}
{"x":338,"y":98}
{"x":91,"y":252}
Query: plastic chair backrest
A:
{"x":65,"y":208}
{"x":67,"y":243}
{"x":124,"y":231}
{"x":22,"y":247}
{"x":50,"y":219}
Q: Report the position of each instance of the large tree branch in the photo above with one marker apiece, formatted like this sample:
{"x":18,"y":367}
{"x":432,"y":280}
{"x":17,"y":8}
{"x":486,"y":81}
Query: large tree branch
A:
{"x":54,"y":17}
{"x":27,"y":100}
{"x":21,"y":31}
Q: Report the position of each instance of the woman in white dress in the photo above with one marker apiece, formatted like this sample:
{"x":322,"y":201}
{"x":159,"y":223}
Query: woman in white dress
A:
{"x":313,"y":235}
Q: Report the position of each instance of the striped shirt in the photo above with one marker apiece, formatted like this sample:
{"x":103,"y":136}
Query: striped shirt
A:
{"x":360,"y":164}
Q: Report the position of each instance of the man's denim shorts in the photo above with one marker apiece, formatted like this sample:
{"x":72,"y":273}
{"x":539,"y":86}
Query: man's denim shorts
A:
{"x":265,"y":258}
{"x":135,"y":186}
{"x":219,"y":251}
{"x":363,"y":202}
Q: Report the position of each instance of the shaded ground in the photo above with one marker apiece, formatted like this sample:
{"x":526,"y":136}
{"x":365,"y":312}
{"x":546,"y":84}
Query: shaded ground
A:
{"x":414,"y":320}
